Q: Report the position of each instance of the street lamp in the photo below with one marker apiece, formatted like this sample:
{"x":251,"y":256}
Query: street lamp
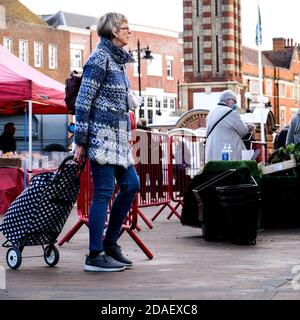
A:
{"x":158,"y":104}
{"x":248,"y":96}
{"x":266,"y":101}
{"x":147,"y":56}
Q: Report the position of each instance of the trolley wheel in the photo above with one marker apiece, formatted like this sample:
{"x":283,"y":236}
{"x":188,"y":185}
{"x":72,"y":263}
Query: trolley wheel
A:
{"x":51,"y":255}
{"x":13,"y":258}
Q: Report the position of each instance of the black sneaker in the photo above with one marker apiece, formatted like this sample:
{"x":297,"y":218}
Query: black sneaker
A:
{"x":102,"y":263}
{"x":116,"y":253}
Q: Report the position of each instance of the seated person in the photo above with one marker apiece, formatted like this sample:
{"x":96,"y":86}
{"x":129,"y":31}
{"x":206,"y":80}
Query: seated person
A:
{"x":142,"y":125}
{"x":280,"y":138}
{"x":7,"y":139}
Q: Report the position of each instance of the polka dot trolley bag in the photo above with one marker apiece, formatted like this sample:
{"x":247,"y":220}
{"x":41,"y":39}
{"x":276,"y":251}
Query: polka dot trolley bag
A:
{"x":39,"y":213}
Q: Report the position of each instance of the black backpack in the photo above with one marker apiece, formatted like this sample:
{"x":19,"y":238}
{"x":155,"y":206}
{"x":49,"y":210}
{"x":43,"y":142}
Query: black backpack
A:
{"x":72,"y":85}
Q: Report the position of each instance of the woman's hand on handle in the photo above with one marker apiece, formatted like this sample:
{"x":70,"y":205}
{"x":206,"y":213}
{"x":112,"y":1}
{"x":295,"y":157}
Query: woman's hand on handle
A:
{"x":79,"y":155}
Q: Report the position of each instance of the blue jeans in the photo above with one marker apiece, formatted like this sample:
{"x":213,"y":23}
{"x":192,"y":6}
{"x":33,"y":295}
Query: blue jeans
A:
{"x":104,"y":186}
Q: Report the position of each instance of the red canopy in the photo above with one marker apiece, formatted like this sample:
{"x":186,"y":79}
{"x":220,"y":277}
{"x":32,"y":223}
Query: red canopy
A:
{"x":19,"y":83}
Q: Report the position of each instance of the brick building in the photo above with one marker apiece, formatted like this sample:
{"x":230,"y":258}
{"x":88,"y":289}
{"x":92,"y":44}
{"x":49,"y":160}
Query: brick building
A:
{"x":159,"y":78}
{"x":281,"y":78}
{"x":215,"y":60}
{"x":212,"y":49}
{"x":31,"y":39}
{"x":56,"y":44}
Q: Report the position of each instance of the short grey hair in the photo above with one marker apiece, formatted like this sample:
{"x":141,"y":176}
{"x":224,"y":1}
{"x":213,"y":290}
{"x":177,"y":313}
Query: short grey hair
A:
{"x":110,"y":23}
{"x":227,"y":94}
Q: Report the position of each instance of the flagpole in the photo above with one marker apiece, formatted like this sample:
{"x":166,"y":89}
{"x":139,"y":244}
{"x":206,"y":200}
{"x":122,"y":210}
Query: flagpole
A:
{"x":261,"y":103}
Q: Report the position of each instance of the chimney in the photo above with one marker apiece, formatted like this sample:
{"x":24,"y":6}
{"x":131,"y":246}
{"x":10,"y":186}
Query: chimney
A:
{"x":2,"y":18}
{"x":278,"y":44}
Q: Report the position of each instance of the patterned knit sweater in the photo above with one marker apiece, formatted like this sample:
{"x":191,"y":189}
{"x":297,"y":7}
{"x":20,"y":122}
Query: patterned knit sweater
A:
{"x":102,"y":121}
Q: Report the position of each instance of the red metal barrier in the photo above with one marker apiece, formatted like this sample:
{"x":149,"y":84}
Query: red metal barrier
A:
{"x":83,"y":205}
{"x":262,"y":148}
{"x":152,"y":158}
{"x":187,"y":160}
{"x":165,"y":165}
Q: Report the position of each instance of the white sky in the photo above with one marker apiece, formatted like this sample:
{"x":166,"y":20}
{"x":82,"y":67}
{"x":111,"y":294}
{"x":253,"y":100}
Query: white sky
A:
{"x":279,"y":19}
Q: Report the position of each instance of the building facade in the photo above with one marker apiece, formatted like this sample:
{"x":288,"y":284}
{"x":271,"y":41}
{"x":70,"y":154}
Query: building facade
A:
{"x":159,"y":77}
{"x":32,"y":40}
{"x":212,"y":49}
{"x":281,"y":79}
{"x":215,"y":60}
{"x":47,"y":49}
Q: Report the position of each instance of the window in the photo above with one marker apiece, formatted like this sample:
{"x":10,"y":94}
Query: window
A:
{"x":216,"y":7}
{"x":172,"y":103}
{"x":293,"y":112}
{"x":282,"y":89}
{"x":38,"y":54}
{"x":52,"y":56}
{"x":217,"y":55}
{"x":290,"y":91}
{"x":150,"y":102}
{"x":2,"y":17}
{"x":23,"y":50}
{"x":169,"y":68}
{"x":165,"y":104}
{"x":150,"y":116}
{"x":158,"y":111}
{"x":269,"y":87}
{"x":76,"y":59}
{"x":254,"y":86}
{"x":282,"y":116}
{"x":198,"y":54}
{"x":296,"y":92}
{"x":8,"y":44}
{"x":155,"y":66}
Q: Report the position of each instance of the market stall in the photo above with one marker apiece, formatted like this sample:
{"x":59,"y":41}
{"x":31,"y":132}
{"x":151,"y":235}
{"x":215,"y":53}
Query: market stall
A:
{"x":23,"y":89}
{"x":11,"y":185}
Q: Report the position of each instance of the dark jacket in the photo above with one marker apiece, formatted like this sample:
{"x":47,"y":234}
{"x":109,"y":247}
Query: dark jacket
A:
{"x":280,"y":138}
{"x":7,"y":143}
{"x":293,"y":135}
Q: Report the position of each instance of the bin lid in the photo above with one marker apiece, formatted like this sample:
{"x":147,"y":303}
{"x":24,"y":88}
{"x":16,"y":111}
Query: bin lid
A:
{"x":238,"y":188}
{"x":240,"y":191}
{"x":214,"y":180}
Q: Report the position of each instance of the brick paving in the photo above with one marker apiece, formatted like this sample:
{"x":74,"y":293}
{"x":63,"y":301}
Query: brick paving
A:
{"x":184,"y":266}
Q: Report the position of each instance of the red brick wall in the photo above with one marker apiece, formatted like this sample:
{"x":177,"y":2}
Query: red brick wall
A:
{"x":278,"y":44}
{"x":82,"y":39}
{"x":46,"y":35}
{"x":165,"y":46}
{"x":280,"y":74}
{"x":158,"y":44}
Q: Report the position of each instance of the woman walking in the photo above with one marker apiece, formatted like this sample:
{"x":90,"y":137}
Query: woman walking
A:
{"x":102,"y":134}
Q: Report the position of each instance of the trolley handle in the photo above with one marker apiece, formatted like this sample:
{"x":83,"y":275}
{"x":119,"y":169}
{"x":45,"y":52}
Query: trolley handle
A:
{"x":68,"y":158}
